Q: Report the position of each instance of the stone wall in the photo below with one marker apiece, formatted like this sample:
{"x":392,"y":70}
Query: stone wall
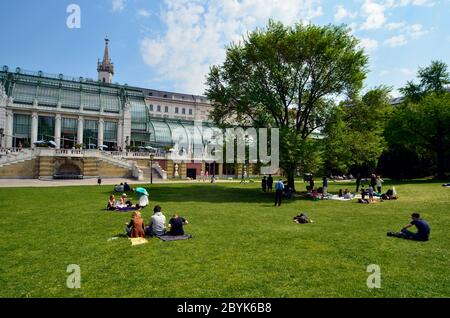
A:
{"x":22,"y":170}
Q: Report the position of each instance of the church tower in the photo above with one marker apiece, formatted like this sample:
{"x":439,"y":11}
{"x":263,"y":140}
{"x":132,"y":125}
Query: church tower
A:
{"x":105,"y":68}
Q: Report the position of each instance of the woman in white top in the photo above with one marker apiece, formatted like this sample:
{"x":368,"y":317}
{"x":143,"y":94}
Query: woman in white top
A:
{"x":143,"y":201}
{"x":379,"y":182}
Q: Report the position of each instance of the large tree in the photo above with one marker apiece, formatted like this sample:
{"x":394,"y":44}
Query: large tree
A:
{"x":433,"y":79}
{"x":354,"y":135}
{"x":285,"y":77}
{"x":420,"y":127}
{"x":423,"y":128}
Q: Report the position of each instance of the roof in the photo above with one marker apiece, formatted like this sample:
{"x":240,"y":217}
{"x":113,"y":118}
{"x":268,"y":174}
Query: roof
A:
{"x":171,"y":95}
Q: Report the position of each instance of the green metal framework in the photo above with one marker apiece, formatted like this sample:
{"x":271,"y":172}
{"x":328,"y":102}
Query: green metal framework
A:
{"x":46,"y":128}
{"x":83,"y":94}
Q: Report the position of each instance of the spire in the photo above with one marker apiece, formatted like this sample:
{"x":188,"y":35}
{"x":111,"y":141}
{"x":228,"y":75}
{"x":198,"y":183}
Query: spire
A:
{"x":105,"y":68}
{"x":106,"y":59}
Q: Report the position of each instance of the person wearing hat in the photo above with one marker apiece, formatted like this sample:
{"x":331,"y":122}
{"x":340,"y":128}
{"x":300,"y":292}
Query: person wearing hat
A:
{"x":124,"y":202}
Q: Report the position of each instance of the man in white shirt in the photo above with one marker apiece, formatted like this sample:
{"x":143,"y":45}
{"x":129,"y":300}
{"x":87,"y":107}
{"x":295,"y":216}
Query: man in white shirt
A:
{"x":157,"y":224}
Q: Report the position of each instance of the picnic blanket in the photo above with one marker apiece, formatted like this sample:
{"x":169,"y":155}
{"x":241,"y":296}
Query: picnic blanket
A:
{"x":169,"y":238}
{"x":338,"y":198}
{"x":138,"y":241}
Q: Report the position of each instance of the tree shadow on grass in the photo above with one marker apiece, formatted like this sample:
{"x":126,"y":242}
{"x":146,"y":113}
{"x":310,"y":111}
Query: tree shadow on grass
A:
{"x":211,"y":194}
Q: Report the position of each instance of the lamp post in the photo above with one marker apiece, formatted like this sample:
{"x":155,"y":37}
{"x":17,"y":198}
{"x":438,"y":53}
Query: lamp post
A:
{"x":1,"y":136}
{"x":152,"y":156}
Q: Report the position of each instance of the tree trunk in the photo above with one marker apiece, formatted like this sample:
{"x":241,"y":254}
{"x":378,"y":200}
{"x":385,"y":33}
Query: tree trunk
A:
{"x":291,"y":179}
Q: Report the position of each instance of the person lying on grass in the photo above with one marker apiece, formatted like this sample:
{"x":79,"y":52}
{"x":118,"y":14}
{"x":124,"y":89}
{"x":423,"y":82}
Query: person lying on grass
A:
{"x":176,"y":225}
{"x":302,"y":218}
{"x":423,"y":230}
{"x":136,"y":227}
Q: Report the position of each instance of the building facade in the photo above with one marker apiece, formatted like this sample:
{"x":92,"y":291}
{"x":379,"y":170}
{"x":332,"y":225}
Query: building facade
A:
{"x":79,"y":112}
{"x":81,"y":116}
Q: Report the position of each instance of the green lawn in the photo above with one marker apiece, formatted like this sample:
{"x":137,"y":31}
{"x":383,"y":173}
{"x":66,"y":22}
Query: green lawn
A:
{"x":242,"y":246}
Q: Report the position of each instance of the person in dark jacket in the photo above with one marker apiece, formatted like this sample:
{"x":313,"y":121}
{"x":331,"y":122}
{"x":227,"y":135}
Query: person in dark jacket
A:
{"x":176,"y":225}
{"x":423,"y":230}
{"x":264,"y":184}
{"x":269,"y":183}
{"x":358,"y":182}
{"x":373,"y":181}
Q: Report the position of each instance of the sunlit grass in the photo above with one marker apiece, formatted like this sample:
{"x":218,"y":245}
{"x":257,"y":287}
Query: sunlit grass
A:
{"x":242,"y":245}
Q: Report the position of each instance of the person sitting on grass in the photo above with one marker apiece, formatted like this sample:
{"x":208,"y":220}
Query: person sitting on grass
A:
{"x":176,"y":225}
{"x":123,"y":203}
{"x":423,"y":229}
{"x":111,"y":206}
{"x":126,"y":187}
{"x":347,"y":194}
{"x":157,"y":225}
{"x":136,"y":227}
{"x":390,"y":195}
{"x":119,"y":188}
{"x":340,"y":193}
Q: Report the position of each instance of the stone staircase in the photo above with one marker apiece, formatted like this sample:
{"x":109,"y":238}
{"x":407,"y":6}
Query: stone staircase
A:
{"x":43,"y":161}
{"x":136,"y":172}
{"x":12,"y":157}
{"x":147,"y":175}
{"x":158,"y":172}
{"x":46,"y":167}
{"x":90,"y":167}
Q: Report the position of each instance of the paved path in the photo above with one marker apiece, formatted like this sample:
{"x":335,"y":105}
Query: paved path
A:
{"x":15,"y":183}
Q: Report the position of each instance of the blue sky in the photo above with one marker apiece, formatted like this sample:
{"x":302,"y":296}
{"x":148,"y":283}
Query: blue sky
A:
{"x":170,"y":44}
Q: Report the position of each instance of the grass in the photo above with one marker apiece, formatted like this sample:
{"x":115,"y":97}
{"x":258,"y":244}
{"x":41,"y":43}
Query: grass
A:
{"x":242,"y":246}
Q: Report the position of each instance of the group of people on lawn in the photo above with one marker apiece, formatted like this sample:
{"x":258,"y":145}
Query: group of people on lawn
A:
{"x":124,"y":204}
{"x":157,"y":225}
{"x":423,"y":229}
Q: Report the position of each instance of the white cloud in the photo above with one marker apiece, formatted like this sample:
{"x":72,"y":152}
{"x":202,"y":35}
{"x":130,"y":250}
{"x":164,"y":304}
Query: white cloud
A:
{"x":197,"y":31}
{"x":144,"y":13}
{"x":416,"y":31}
{"x":396,"y":41}
{"x":118,"y":5}
{"x":374,"y":14}
{"x":368,"y":44}
{"x":394,"y":25}
{"x":342,"y":13}
{"x":407,"y":72}
{"x":404,"y":3}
